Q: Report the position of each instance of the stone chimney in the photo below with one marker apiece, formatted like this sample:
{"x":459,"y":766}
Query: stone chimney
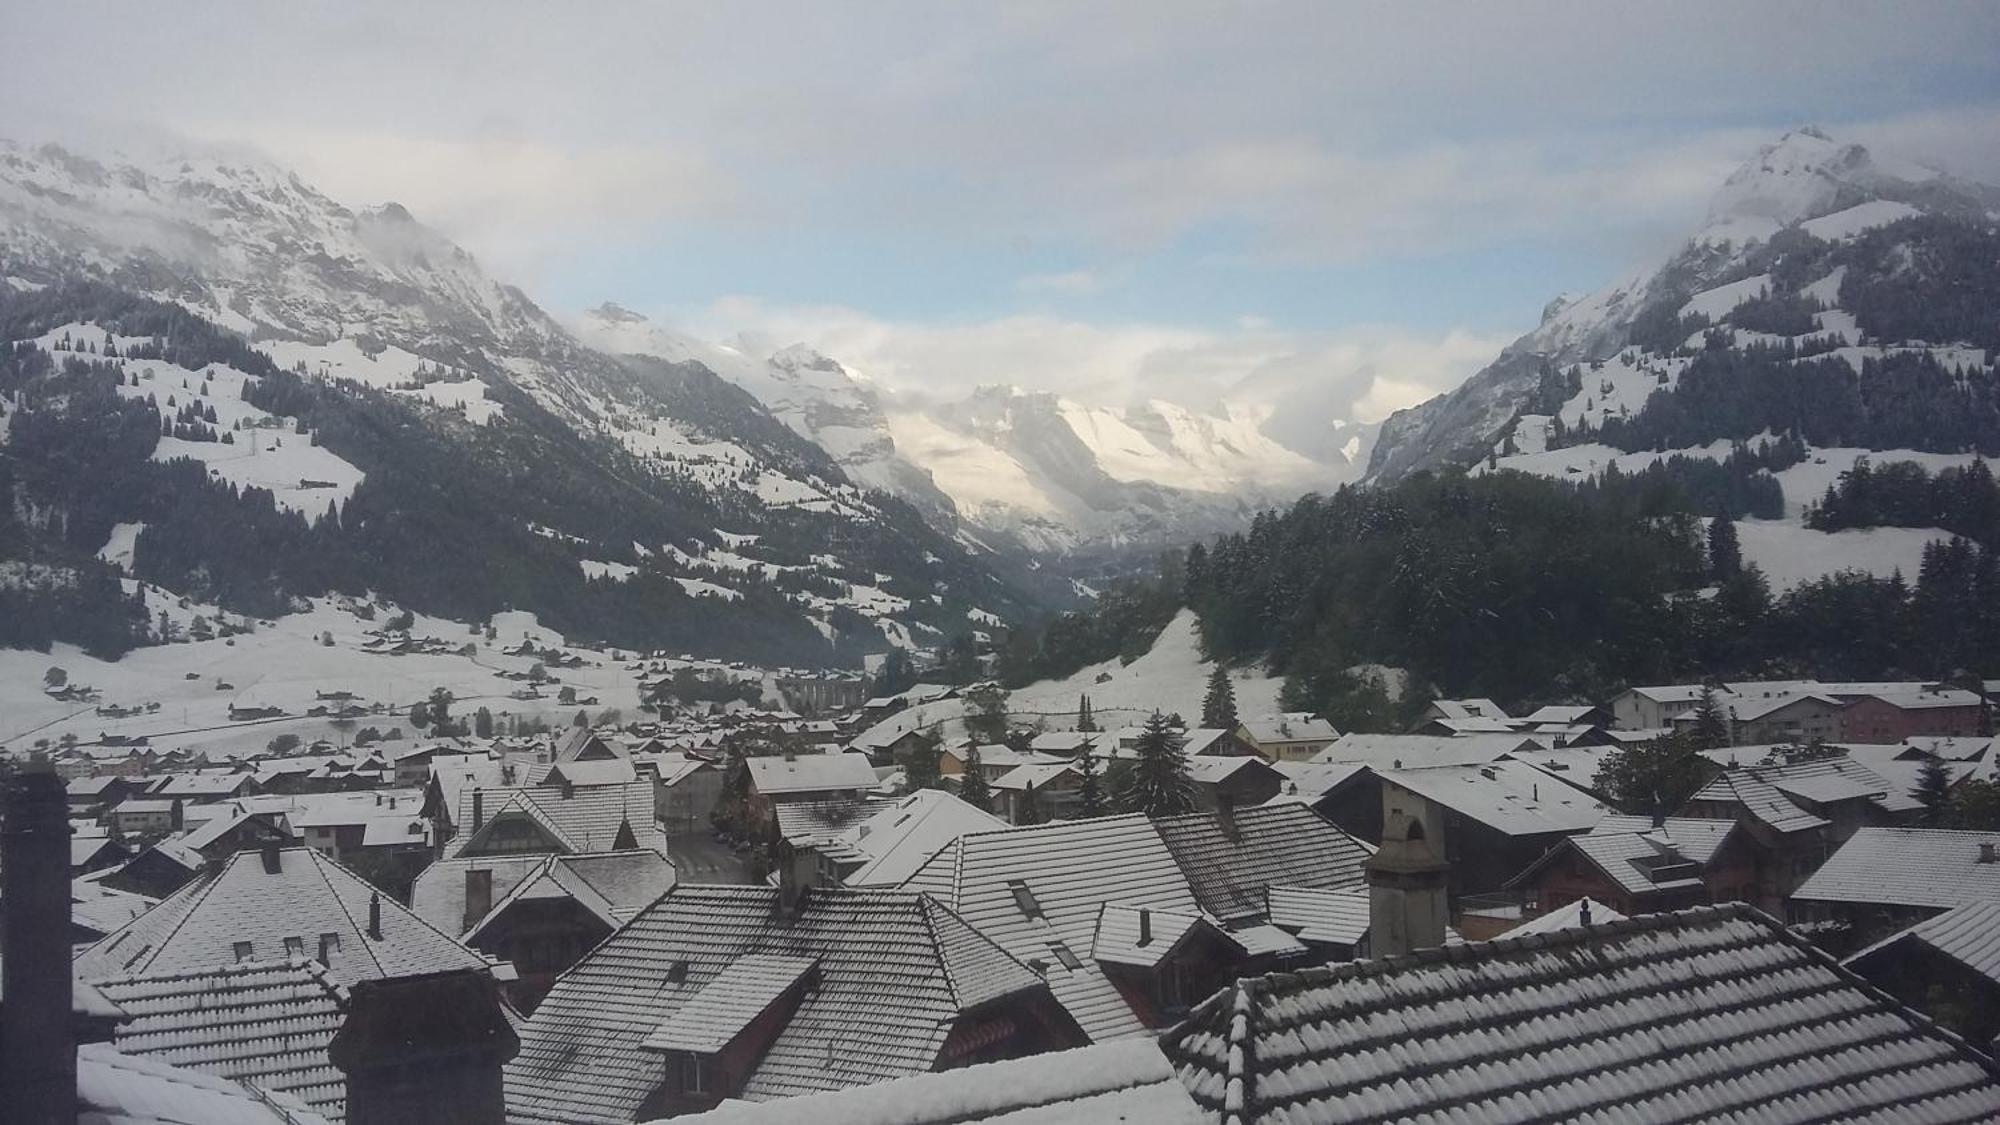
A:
{"x":1225,"y":814}
{"x":1986,"y":852}
{"x":272,"y":863}
{"x":375,"y":916}
{"x":425,"y":1050}
{"x":37,"y":1048}
{"x":798,"y":873}
{"x":1408,"y":880}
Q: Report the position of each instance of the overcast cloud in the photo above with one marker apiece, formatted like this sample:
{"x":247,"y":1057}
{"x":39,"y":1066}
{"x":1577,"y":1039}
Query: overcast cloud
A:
{"x":1112,"y":200}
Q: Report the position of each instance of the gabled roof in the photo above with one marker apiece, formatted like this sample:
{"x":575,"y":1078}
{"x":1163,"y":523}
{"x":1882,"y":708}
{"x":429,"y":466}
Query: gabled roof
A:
{"x":1624,"y":858}
{"x":1969,"y":935}
{"x":588,"y":771}
{"x":1711,"y":1014}
{"x":1121,"y":939}
{"x":265,"y":1023}
{"x":114,"y":1088}
{"x":1506,"y":796}
{"x":1270,"y":845}
{"x":1031,"y":777}
{"x":808,"y":773}
{"x":1420,"y":751}
{"x":1920,"y":867}
{"x":898,"y":839}
{"x":610,"y":886}
{"x":720,"y":1010}
{"x":1106,"y":1082}
{"x":1336,"y":917}
{"x":1068,"y":870}
{"x":1567,"y":917}
{"x":200,"y":925}
{"x":588,"y":819}
{"x":1695,"y":837}
{"x":894,"y":972}
{"x":1288,"y":727}
{"x":817,"y":823}
{"x":1747,"y":788}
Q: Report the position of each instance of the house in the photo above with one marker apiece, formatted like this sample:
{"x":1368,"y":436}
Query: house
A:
{"x":1044,"y":791}
{"x":567,"y":820}
{"x":1776,"y":717}
{"x":1126,"y":1081}
{"x":1885,"y":878}
{"x":539,"y":913}
{"x":279,"y":903}
{"x":94,"y":851}
{"x":1568,"y":714}
{"x":1947,"y":966}
{"x":1234,"y":857}
{"x":1790,"y":839}
{"x":1420,"y":751}
{"x":778,"y":779}
{"x":202,"y":788}
{"x":266,"y":1024}
{"x":1495,"y":818}
{"x":1840,"y":791}
{"x":888,"y":847}
{"x":1287,"y":737}
{"x":1952,"y":713}
{"x":157,"y":871}
{"x":1464,"y":711}
{"x":1653,"y":708}
{"x":1240,"y":780}
{"x":93,"y":796}
{"x":234,"y":831}
{"x":756,"y":993}
{"x":1692,"y":1016}
{"x":686,"y":788}
{"x":147,"y":817}
{"x":1635,"y":866}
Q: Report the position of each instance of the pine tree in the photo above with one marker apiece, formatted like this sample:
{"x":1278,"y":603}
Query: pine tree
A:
{"x":1090,"y":791}
{"x":972,"y":787}
{"x":1084,"y":721}
{"x":1158,"y":783}
{"x":1028,"y":810}
{"x":1725,"y":554}
{"x":1711,"y":728}
{"x":1218,"y":708}
{"x":1933,"y":791}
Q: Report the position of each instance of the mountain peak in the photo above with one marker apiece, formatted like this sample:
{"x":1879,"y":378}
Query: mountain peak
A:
{"x":614,"y":313}
{"x":1801,"y":175}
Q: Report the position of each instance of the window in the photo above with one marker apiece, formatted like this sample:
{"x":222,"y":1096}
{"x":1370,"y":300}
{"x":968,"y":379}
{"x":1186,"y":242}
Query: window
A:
{"x":295,"y":947}
{"x":1064,"y":955}
{"x":1024,"y":898}
{"x":329,"y":944}
{"x":243,"y":950}
{"x":694,"y":1074}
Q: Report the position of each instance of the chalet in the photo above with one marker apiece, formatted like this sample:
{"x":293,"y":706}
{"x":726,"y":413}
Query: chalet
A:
{"x":686,"y":788}
{"x":540,"y":913}
{"x":1420,"y":751}
{"x":1495,"y":818}
{"x":1947,"y":965}
{"x":1574,"y":1025}
{"x":1840,"y":792}
{"x":777,"y":780}
{"x":1238,"y":780}
{"x":93,"y":796}
{"x":203,"y":788}
{"x":279,"y":903}
{"x":146,"y":817}
{"x":1895,"y":717}
{"x":524,"y":820}
{"x":1653,"y":708}
{"x":1884,"y":878}
{"x":157,"y":871}
{"x":1464,"y":710}
{"x":1042,"y":791}
{"x":235,"y":831}
{"x":753,"y":993}
{"x":93,"y":851}
{"x":996,"y":760}
{"x":1233,"y":857}
{"x":1289,"y":737}
{"x":1635,"y":866}
{"x":889,"y":846}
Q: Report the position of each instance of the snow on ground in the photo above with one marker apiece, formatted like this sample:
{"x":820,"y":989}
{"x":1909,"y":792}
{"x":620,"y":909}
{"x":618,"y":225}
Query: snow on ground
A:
{"x":1717,"y":302}
{"x":700,"y":589}
{"x":117,"y":550}
{"x":615,"y":571}
{"x":301,"y":476}
{"x":344,"y":359}
{"x":1789,"y":553}
{"x":1591,"y":458}
{"x":468,"y":396}
{"x":1805,"y":483}
{"x":283,"y":664}
{"x":1858,"y":218}
{"x":1827,"y":289}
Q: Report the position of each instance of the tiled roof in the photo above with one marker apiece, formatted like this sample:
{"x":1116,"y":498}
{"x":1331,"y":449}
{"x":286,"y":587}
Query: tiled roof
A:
{"x":438,"y":895}
{"x":201,"y":925}
{"x":809,"y":773}
{"x":1746,"y":787}
{"x":1621,"y":855}
{"x":590,"y":771}
{"x":587,"y":820}
{"x":1119,"y":934}
{"x":901,"y":837}
{"x":1265,"y":729}
{"x":813,"y":822}
{"x":1969,"y":935}
{"x":1271,"y":845}
{"x":1095,"y":1085}
{"x":893,"y":973}
{"x":1921,"y":867}
{"x":266,"y":1023}
{"x":1695,"y":837}
{"x":1567,"y":917}
{"x":1313,"y":779}
{"x":1506,"y":796}
{"x":113,"y":1088}
{"x":1419,"y":751}
{"x":1314,"y":914}
{"x":1716,"y":1014}
{"x":719,"y":1011}
{"x":1261,"y":939}
{"x":1069,"y":870}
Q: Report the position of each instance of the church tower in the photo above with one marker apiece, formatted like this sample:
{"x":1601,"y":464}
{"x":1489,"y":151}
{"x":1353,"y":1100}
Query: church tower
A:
{"x":1408,"y":878}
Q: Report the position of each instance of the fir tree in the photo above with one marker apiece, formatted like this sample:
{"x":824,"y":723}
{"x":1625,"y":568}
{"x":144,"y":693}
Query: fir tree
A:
{"x":1028,"y":809}
{"x":972,"y":787}
{"x":1711,"y":727}
{"x":920,"y":768}
{"x":1090,"y":791}
{"x":1158,"y":784}
{"x":1084,"y":721}
{"x":1933,"y":791}
{"x":1725,"y":555}
{"x":1218,"y":707}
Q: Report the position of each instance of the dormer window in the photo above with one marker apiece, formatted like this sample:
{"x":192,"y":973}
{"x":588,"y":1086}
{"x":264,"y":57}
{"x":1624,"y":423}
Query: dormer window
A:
{"x":1024,"y":899}
{"x":295,"y":947}
{"x":243,"y":950}
{"x":695,"y":1076}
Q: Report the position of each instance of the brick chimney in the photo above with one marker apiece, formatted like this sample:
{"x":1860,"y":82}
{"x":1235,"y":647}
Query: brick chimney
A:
{"x":37,"y":1048}
{"x":425,"y":1050}
{"x":1408,"y":879}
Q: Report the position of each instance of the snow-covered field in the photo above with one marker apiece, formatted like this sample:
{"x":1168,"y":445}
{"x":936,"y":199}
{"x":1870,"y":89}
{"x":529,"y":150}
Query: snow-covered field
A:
{"x":1789,"y":553}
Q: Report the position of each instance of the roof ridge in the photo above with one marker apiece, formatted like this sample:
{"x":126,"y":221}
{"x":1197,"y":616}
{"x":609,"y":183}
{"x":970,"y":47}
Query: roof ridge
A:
{"x":199,"y":894}
{"x":334,"y":893}
{"x":924,"y":911}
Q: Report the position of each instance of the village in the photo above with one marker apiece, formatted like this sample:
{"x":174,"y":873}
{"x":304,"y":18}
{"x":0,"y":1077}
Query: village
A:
{"x":840,"y":901}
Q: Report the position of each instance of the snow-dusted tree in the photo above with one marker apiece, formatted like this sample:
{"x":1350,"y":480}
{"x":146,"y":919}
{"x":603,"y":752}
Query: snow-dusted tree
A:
{"x":1218,"y":707}
{"x":1084,"y":721}
{"x":1711,"y":725}
{"x":1157,"y":783}
{"x":972,"y":787}
{"x":1090,"y":791}
{"x":1933,"y":790}
{"x":1725,"y":554}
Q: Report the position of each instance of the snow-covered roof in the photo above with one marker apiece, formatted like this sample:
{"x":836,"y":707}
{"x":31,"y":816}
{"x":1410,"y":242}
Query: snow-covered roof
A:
{"x":1336,"y":917}
{"x":1034,"y":776}
{"x":1140,"y":936}
{"x":1567,"y":714}
{"x":586,"y":819}
{"x":900,"y":838}
{"x":114,"y":1088}
{"x":1920,"y":867}
{"x":265,"y":1023}
{"x":721,"y":1009}
{"x":1128,"y":1081}
{"x":1567,"y":917}
{"x":809,"y":773}
{"x":244,"y":912}
{"x":1747,"y":788}
{"x":1506,"y":796}
{"x":895,"y":970}
{"x":611,"y":886}
{"x":1468,"y":709}
{"x":1697,"y":838}
{"x":1969,"y":935}
{"x":1230,"y":866}
{"x":1643,"y":1019}
{"x":818,"y":823}
{"x":1419,"y":751}
{"x":1289,"y":727}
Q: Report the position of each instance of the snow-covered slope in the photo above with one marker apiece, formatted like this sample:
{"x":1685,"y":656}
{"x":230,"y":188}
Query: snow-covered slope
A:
{"x":1805,"y":179}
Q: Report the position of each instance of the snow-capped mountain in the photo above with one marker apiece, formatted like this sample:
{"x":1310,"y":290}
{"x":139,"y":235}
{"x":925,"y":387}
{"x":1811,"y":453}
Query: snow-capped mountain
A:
{"x":1805,"y":181}
{"x":1033,"y":469}
{"x":450,"y":420}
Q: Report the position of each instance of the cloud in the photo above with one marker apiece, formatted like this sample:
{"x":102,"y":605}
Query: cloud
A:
{"x":1070,"y":283}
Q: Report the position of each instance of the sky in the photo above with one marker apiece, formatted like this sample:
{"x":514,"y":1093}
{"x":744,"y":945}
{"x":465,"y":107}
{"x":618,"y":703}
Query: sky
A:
{"x":1356,"y":203}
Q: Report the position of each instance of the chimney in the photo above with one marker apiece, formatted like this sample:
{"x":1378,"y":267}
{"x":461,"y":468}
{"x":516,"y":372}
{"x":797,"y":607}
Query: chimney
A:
{"x":568,"y":789}
{"x":1225,"y":814}
{"x":375,"y":915}
{"x":37,"y":1047}
{"x":1145,"y":927}
{"x":271,"y":862}
{"x":478,"y":810}
{"x":797,"y":874}
{"x":1986,"y":852}
{"x":1583,"y":911}
{"x":177,"y":818}
{"x":425,"y":1050}
{"x":478,"y":896}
